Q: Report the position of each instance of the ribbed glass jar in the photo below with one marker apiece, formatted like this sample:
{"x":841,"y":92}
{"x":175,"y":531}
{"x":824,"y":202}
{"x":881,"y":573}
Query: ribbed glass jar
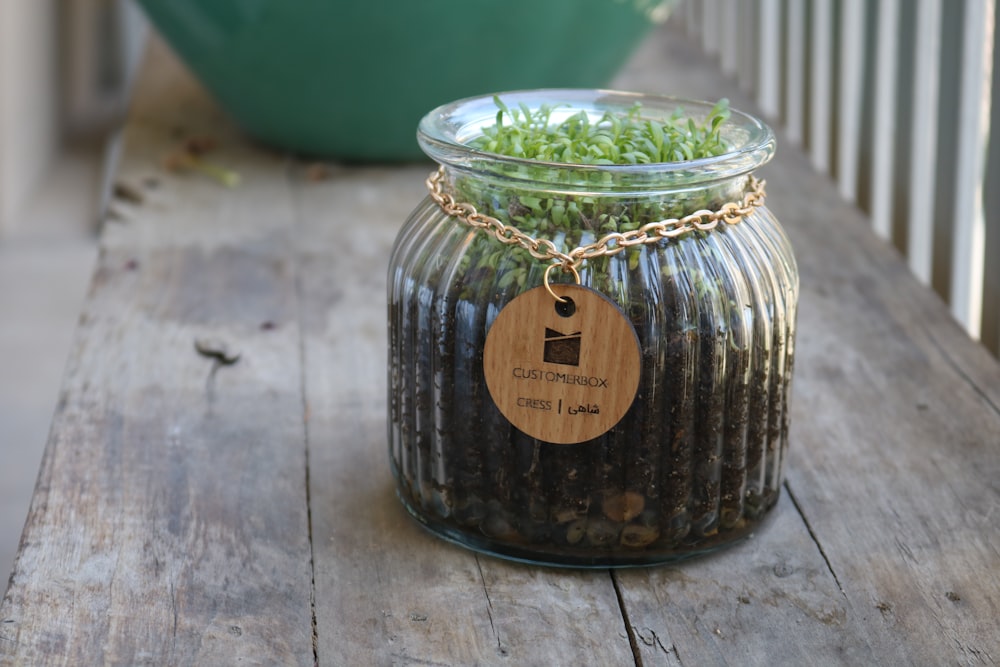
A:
{"x":696,"y":462}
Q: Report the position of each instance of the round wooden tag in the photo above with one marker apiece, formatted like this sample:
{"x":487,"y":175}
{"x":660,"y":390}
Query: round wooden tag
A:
{"x":562,"y":372}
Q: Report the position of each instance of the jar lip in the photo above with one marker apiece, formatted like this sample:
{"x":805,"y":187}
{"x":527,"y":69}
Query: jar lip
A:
{"x":444,"y":133}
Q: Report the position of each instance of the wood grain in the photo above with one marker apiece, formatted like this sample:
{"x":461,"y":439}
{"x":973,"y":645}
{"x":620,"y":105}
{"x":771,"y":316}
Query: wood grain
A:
{"x":770,"y":600}
{"x":900,"y":443}
{"x":194,"y":512}
{"x":388,"y":592}
{"x":169,"y":524}
{"x":894,"y":457}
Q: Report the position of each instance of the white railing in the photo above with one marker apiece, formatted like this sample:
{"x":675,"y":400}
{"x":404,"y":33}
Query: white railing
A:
{"x":893,"y":99}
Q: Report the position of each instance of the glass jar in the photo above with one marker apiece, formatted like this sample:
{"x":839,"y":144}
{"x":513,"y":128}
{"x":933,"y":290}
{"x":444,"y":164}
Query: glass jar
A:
{"x":695,"y":462}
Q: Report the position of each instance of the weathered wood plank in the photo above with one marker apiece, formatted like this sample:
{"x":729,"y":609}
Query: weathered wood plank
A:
{"x":897,"y":447}
{"x":735,"y":607}
{"x":169,"y":524}
{"x":388,"y":592}
{"x":728,"y":608}
{"x":894,"y":459}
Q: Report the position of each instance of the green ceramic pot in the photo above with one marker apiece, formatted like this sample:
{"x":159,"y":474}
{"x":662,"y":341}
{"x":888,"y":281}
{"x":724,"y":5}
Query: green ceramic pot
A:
{"x":351,"y":80}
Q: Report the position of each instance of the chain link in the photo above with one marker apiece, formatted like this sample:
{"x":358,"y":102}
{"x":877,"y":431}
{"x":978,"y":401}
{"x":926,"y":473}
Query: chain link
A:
{"x":704,"y":220}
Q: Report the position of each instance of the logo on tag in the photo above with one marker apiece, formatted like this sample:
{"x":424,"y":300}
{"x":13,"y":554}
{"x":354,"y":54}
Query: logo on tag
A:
{"x":562,"y":348}
{"x":562,"y":366}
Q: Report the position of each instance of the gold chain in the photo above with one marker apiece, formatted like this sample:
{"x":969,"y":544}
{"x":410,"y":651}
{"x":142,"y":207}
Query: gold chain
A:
{"x":610,"y":244}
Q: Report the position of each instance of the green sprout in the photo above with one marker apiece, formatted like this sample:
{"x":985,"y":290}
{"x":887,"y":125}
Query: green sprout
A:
{"x":612,"y":139}
{"x":554,"y":134}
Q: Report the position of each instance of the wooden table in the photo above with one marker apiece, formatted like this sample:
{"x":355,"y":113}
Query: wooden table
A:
{"x":195,"y":512}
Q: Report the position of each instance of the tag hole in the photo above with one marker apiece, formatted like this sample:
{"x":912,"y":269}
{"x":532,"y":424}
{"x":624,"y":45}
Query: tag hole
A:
{"x":566,"y":307}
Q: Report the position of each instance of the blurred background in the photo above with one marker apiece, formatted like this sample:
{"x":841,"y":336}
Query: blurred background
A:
{"x":65,"y":70}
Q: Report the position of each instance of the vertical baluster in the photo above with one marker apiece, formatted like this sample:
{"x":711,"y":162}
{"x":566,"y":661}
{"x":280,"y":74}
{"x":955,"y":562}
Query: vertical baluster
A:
{"x":991,"y":206}
{"x":926,"y":59}
{"x":967,"y":256}
{"x":851,"y":48}
{"x":729,"y":29}
{"x":948,"y":99}
{"x":769,"y":59}
{"x":820,"y":83}
{"x":884,"y":108}
{"x":692,"y":17}
{"x":711,"y":11}
{"x":795,"y":71}
{"x":747,"y":43}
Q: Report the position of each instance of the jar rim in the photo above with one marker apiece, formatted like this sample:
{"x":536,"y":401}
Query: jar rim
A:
{"x":444,"y":133}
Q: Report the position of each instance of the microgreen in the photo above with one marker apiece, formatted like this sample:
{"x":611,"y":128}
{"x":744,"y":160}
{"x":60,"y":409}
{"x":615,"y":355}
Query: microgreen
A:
{"x":563,"y":135}
{"x":611,"y":139}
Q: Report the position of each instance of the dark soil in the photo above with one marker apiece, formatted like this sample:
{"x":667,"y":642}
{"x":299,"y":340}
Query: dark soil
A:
{"x":694,"y":464}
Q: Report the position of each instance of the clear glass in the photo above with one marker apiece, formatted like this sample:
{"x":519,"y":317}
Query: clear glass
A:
{"x":696,"y":463}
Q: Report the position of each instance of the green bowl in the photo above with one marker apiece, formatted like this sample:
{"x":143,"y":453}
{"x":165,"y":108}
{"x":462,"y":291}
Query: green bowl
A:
{"x":351,"y":80}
